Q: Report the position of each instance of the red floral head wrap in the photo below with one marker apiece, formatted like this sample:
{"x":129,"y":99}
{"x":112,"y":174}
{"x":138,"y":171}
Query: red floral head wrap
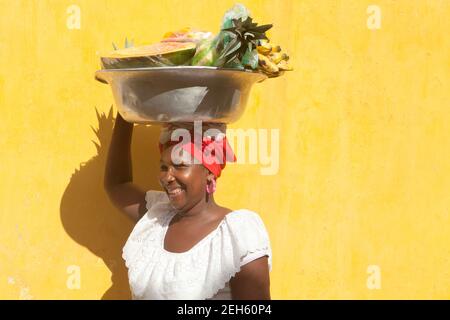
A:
{"x":214,"y":151}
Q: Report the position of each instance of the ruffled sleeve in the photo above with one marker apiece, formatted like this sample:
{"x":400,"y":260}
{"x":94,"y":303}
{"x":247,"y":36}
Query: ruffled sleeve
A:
{"x":156,"y":202}
{"x":250,"y":236}
{"x":242,"y":238}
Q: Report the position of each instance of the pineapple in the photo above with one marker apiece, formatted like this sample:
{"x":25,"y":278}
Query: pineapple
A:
{"x":243,"y":38}
{"x":233,"y":47}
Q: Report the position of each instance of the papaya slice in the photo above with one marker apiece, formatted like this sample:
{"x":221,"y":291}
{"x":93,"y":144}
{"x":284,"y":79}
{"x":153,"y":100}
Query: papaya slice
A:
{"x":187,"y":34}
{"x":159,"y":54}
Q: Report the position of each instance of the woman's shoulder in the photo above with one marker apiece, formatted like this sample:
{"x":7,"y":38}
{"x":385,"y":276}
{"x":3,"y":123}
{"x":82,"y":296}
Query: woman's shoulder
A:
{"x":154,"y":196}
{"x":157,"y":203}
{"x":245,"y":218}
{"x":248,"y":235}
{"x":247,"y":226}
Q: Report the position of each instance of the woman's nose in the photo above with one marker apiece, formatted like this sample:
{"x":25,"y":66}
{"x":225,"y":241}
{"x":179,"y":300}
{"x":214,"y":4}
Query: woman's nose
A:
{"x":168,"y":176}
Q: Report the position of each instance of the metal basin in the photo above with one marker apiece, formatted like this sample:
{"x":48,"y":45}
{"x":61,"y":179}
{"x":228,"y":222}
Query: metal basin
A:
{"x":180,"y":94}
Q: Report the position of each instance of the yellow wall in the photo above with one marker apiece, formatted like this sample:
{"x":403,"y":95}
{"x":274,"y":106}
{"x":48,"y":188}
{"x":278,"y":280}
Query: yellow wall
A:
{"x":364,"y":173}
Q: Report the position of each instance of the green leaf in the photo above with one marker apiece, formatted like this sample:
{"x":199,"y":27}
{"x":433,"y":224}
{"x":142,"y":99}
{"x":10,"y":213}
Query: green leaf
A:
{"x":235,"y":64}
{"x":263,"y":28}
{"x":230,"y":33}
{"x":128,"y":43}
{"x":250,"y":58}
{"x":230,"y":48}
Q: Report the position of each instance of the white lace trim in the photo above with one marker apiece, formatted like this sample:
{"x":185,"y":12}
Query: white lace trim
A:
{"x":202,"y":271}
{"x":221,"y":284}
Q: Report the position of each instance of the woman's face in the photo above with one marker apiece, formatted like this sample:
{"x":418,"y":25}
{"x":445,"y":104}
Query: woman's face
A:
{"x":183,"y":180}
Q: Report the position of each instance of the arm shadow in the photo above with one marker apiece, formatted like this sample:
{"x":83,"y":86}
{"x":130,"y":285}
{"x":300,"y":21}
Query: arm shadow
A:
{"x":86,"y":213}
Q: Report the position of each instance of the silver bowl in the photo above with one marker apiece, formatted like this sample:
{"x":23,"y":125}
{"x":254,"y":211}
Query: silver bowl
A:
{"x":180,"y":94}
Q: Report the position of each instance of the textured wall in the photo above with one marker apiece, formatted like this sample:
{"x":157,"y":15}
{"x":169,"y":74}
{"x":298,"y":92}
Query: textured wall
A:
{"x":359,"y":207}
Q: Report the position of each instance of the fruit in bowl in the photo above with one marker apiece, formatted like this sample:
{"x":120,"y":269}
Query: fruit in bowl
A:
{"x":192,"y":74}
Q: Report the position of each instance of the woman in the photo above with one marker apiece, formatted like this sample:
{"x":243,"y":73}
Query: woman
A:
{"x":184,"y":245}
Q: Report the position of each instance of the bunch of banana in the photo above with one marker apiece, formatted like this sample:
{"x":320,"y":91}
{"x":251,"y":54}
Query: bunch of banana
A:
{"x":271,"y":60}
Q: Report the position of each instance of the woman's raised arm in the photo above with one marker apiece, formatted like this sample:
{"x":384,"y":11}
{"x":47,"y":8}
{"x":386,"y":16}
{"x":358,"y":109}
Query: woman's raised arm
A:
{"x":118,"y":179}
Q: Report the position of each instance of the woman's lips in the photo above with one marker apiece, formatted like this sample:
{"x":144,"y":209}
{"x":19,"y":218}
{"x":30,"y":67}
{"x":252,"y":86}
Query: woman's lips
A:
{"x":175,"y":192}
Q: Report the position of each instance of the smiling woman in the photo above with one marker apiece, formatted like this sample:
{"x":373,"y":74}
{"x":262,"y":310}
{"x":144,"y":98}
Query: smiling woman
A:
{"x":184,"y":245}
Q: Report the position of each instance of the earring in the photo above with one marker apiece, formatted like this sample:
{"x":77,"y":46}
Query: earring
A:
{"x":211,"y":187}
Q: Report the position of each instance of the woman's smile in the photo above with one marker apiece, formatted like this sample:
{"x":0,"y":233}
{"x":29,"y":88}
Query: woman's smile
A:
{"x":175,"y":193}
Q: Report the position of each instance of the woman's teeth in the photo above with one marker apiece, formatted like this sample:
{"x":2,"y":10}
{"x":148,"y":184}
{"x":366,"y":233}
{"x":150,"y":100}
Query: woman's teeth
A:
{"x":175,"y":192}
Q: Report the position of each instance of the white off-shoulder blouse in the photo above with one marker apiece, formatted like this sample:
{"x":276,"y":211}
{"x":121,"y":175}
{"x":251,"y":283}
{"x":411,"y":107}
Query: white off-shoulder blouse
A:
{"x":204,"y":271}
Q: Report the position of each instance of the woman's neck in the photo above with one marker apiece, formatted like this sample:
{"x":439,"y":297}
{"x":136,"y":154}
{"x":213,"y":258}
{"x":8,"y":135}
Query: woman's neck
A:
{"x":201,"y":209}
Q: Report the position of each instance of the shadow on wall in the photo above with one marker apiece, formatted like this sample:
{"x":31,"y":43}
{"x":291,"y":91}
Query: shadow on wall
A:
{"x":86,"y":212}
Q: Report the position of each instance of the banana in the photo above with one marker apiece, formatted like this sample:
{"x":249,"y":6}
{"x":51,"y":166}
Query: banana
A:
{"x":265,"y":48}
{"x":284,"y":66}
{"x":266,"y":64}
{"x":276,"y":49}
{"x":277,"y":57}
{"x":272,"y":61}
{"x":273,"y":75}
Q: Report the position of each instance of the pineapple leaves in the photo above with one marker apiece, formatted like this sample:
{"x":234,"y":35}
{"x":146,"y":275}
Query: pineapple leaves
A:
{"x":236,"y":46}
{"x":127,"y":44}
{"x":247,"y":31}
{"x":262,"y":29}
{"x":230,"y":48}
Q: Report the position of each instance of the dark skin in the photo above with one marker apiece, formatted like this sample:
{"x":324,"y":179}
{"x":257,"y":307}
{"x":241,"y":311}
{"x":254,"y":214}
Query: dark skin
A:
{"x":197,"y":212}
